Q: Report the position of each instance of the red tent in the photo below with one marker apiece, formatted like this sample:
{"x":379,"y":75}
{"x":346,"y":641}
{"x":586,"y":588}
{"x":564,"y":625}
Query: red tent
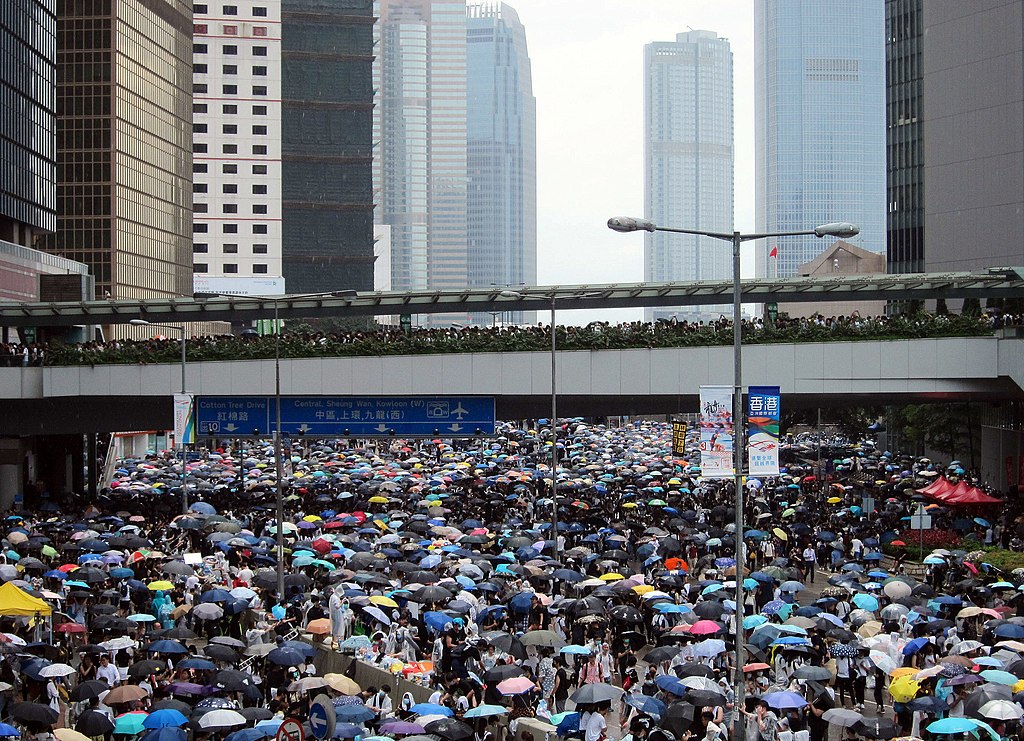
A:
{"x":959,"y":495}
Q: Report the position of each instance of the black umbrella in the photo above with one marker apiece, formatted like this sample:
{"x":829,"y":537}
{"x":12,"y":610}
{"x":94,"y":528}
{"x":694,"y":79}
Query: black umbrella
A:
{"x":255,"y":715}
{"x":431,"y":594}
{"x":449,"y":728}
{"x":221,"y":652}
{"x":881,"y":728}
{"x":145,"y":668}
{"x":590,"y":694}
{"x":501,"y":672}
{"x":626,"y":614}
{"x":88,"y":690}
{"x":171,"y":704}
{"x":660,"y":654}
{"x":180,"y":633}
{"x":694,"y":670}
{"x":678,"y":718}
{"x":34,"y":712}
{"x":507,"y":643}
{"x":95,"y":723}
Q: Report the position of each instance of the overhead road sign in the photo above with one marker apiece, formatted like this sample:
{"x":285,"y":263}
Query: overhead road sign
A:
{"x":1000,"y":283}
{"x":346,"y":416}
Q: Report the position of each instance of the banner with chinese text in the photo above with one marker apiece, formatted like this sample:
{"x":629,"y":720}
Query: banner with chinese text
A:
{"x":763,"y":405}
{"x":716,"y":432}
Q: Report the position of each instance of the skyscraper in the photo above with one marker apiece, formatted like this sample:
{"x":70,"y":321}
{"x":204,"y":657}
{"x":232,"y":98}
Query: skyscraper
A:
{"x":124,"y":140}
{"x":688,"y":147}
{"x":236,"y":149}
{"x":420,"y":170}
{"x":819,"y":82}
{"x":973,"y":116}
{"x":28,"y":156}
{"x":327,"y":148}
{"x":502,"y":151}
{"x":904,"y":51}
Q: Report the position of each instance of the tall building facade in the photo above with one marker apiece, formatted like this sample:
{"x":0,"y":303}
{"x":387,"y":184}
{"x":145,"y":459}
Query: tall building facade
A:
{"x":124,"y":140}
{"x":973,"y":116}
{"x":28,"y":156}
{"x":327,"y":147}
{"x":688,"y":161}
{"x":819,"y":70}
{"x":904,"y":143}
{"x":236,"y":148}
{"x":420,"y":170}
{"x":501,"y":126}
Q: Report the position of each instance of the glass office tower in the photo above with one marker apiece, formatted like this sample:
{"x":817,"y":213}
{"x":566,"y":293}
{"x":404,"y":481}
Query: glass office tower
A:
{"x":501,"y":118}
{"x":688,"y":147}
{"x":819,"y":124}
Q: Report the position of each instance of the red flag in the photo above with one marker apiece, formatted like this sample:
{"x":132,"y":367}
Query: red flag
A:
{"x":774,"y":252}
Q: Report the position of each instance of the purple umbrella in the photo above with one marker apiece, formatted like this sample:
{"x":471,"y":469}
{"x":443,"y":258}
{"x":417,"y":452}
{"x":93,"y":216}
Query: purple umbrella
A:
{"x":402,"y":728}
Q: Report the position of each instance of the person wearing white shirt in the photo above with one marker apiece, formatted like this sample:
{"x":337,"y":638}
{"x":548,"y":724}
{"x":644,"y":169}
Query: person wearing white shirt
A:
{"x":810,"y":558}
{"x":107,"y":672}
{"x":596,"y":727}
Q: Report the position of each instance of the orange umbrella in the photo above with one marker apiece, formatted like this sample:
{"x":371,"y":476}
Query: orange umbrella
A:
{"x":319,"y":627}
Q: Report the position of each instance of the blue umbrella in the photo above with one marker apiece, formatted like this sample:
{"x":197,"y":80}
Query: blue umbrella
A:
{"x":568,"y":723}
{"x":200,"y":664}
{"x":1010,"y":630}
{"x":646,"y":704}
{"x":575,"y":650}
{"x":348,"y":730}
{"x":248,"y":734}
{"x":166,"y":647}
{"x":6,"y":730}
{"x":914,"y":646}
{"x":865,"y":602}
{"x":784,"y":700}
{"x":953,"y":725}
{"x":671,"y":684}
{"x":485,"y":711}
{"x":164,"y":717}
{"x":354,"y":714}
{"x":428,"y":708}
{"x":167,"y":733}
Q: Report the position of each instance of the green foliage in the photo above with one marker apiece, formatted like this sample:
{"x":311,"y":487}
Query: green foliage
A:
{"x":972,"y":307}
{"x":941,"y":427}
{"x":300,"y":342}
{"x":851,"y":422}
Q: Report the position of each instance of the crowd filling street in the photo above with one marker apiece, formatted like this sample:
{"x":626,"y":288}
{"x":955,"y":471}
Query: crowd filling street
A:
{"x":437,"y":563}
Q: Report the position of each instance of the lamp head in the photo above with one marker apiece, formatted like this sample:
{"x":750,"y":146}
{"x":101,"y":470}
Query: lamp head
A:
{"x":630,"y":224}
{"x":840,"y":229}
{"x":138,"y":322}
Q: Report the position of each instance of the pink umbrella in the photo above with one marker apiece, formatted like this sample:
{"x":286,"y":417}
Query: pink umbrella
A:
{"x":704,"y":627}
{"x":515,"y":686}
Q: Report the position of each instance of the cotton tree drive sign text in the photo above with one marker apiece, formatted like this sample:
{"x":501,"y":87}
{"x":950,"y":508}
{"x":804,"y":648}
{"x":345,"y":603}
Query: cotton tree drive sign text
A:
{"x":346,"y":416}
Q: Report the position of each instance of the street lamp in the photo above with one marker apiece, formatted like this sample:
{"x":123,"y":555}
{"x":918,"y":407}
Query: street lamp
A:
{"x":278,"y":447}
{"x":184,"y":473}
{"x":509,"y":293}
{"x":838,"y":229}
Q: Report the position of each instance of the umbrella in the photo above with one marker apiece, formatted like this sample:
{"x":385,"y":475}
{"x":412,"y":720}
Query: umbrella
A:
{"x":785,"y":700}
{"x":401,"y":728}
{"x":1001,"y":710}
{"x":221,"y":718}
{"x":94,"y":723}
{"x":69,"y":734}
{"x":842,"y":717}
{"x":429,"y":708}
{"x":547,"y":638}
{"x":450,"y":728}
{"x":483,"y":711}
{"x":167,"y":733}
{"x":130,"y":723}
{"x":162,"y":718}
{"x":515,"y":686}
{"x":8,"y":730}
{"x":34,"y":712}
{"x":953,"y":725}
{"x":646,"y":704}
{"x":125,"y":693}
{"x":286,"y":656}
{"x":87,"y":690}
{"x":590,"y":694}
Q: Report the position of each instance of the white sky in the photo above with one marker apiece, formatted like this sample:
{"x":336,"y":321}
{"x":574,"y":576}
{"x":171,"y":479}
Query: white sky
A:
{"x":587,"y":58}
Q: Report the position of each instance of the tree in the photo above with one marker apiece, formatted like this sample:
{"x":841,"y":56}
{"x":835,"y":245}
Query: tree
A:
{"x":940,"y":307}
{"x":945,"y":428}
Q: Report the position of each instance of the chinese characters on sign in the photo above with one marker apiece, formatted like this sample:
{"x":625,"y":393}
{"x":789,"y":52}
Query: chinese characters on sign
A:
{"x":763,"y":404}
{"x":678,"y":438}
{"x":716,"y":432}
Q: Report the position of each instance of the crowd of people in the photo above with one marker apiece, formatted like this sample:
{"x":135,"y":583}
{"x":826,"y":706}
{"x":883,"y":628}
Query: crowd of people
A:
{"x":436,"y":561}
{"x":594,"y":336}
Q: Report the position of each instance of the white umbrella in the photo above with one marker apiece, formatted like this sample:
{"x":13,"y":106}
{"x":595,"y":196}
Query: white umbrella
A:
{"x":841,"y":717}
{"x":115,"y":644}
{"x":965,"y":647}
{"x":700,"y":683}
{"x":1001,"y":710}
{"x":242,"y":593}
{"x":883,"y":661}
{"x":56,"y":670}
{"x":221,"y":718}
{"x":208,"y":611}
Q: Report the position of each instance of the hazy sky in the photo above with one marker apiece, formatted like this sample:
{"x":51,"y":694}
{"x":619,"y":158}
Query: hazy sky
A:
{"x":587,"y":58}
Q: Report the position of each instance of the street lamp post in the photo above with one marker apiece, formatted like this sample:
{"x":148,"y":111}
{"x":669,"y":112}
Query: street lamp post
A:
{"x":184,"y":470}
{"x":278,"y":443}
{"x":842,"y":230}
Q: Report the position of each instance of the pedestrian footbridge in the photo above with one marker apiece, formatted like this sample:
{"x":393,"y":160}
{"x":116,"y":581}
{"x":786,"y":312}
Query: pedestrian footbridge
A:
{"x":600,"y":382}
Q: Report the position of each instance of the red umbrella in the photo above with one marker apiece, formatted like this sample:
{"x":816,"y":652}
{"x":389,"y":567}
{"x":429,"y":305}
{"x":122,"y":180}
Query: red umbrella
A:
{"x":70,"y":628}
{"x":704,"y":627}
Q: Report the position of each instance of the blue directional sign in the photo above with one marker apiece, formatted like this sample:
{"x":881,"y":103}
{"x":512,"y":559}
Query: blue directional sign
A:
{"x":348,"y":416}
{"x":322,"y":717}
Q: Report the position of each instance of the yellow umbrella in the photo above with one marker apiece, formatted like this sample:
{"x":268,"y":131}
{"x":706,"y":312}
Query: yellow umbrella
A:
{"x":379,"y":599}
{"x":611,"y":577}
{"x":378,"y":500}
{"x":643,"y":588}
{"x":69,"y":734}
{"x":1019,"y":687}
{"x":902,"y":671}
{"x":629,"y":505}
{"x":435,"y":503}
{"x":780,"y":534}
{"x":835,"y":500}
{"x":314,"y":518}
{"x":905,"y":688}
{"x":160,"y":585}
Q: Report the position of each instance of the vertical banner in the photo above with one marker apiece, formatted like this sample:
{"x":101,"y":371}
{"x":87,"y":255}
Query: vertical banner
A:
{"x":184,"y":419}
{"x":716,"y":432}
{"x":763,"y":403}
{"x":678,"y":438}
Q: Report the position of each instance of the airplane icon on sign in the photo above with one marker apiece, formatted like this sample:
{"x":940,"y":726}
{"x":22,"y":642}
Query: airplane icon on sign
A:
{"x":460,"y":411}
